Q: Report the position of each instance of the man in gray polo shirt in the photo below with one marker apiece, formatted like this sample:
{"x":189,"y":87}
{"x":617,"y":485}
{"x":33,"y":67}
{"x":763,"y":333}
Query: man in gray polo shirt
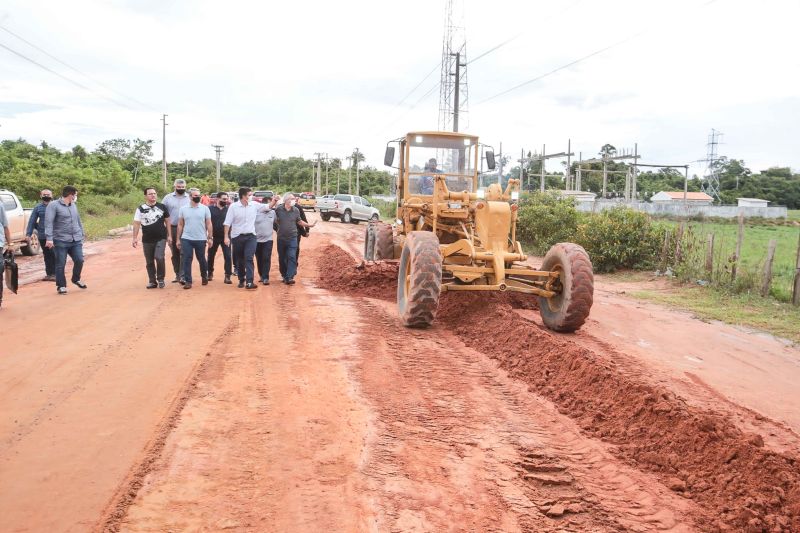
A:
{"x":63,"y":230}
{"x":174,"y":201}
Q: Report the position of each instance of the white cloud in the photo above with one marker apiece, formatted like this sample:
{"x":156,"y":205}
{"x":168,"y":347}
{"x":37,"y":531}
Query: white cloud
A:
{"x":294,"y":78}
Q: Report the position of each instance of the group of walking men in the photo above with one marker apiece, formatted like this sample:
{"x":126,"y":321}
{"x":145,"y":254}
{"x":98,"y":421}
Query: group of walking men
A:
{"x":58,"y":225}
{"x":243,"y":230}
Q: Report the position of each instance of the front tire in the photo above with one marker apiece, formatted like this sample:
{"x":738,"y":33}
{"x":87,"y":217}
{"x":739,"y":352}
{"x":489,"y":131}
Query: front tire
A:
{"x":384,"y":241}
{"x":347,"y":217}
{"x":369,"y":243}
{"x":419,"y":279}
{"x":325,"y":217}
{"x":568,"y":310}
{"x":34,"y":248}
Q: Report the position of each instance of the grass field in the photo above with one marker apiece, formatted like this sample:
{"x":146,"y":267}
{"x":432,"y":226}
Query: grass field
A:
{"x":754,"y":250}
{"x":794,"y":214}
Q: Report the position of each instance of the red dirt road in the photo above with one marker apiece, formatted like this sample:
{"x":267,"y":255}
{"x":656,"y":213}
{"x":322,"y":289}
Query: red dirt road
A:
{"x":308,"y":409}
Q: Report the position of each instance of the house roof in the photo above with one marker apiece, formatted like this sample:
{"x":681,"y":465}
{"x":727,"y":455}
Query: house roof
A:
{"x":678,"y":195}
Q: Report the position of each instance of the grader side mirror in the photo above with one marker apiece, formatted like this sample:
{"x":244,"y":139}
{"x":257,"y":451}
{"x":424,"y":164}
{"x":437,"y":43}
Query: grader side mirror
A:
{"x":490,"y":163}
{"x":388,"y":157}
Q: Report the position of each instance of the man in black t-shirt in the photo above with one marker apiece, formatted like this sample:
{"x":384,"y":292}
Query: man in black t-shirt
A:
{"x":153,"y":219}
{"x":218,"y":213}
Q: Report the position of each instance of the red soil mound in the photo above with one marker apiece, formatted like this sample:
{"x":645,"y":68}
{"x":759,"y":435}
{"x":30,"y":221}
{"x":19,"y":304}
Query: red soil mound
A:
{"x":696,"y":452}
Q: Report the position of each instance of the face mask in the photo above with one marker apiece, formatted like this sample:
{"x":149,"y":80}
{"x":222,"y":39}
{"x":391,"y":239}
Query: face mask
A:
{"x":196,"y":199}
{"x":75,"y":200}
{"x":293,"y":202}
{"x":46,"y":198}
{"x":223,"y":204}
{"x":180,"y":191}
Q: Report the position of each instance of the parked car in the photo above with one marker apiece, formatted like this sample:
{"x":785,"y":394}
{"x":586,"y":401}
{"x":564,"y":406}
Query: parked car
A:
{"x":233,"y":196}
{"x":261,"y":196}
{"x":307,"y":200}
{"x":18,"y":224}
{"x":348,"y":208}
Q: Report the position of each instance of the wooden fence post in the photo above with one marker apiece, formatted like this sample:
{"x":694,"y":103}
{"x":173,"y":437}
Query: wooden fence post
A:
{"x":738,"y":252}
{"x":710,"y":253}
{"x":796,"y":290}
{"x":768,"y":268}
{"x":678,"y":242}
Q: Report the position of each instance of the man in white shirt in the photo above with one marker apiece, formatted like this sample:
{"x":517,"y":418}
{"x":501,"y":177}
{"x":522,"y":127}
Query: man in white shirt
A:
{"x":240,"y":229}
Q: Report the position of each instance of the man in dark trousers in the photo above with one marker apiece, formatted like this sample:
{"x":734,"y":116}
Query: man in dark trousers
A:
{"x":36,"y":223}
{"x":174,"y":201}
{"x":64,"y":232}
{"x":218,"y":213}
{"x":153,"y":219}
{"x":287,"y":218}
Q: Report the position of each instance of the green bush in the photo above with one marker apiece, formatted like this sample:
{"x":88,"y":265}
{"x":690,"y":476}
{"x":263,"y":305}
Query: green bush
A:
{"x":545,"y":219}
{"x":620,"y":238}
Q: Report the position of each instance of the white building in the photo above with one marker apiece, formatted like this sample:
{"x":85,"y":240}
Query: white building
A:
{"x":752,"y":202}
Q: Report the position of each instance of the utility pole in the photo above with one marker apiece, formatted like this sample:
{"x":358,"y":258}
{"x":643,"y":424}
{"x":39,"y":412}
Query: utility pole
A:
{"x":542,"y":158}
{"x":568,"y":173}
{"x":327,"y":171}
{"x":358,"y":178}
{"x":541,"y":168}
{"x":606,"y":158}
{"x":164,"y":148}
{"x":187,"y":168}
{"x":457,"y":89}
{"x":218,"y":148}
{"x":500,"y":172}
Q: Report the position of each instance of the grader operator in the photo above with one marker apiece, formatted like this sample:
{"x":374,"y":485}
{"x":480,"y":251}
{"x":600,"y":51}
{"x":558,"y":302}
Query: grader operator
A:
{"x":451,"y":235}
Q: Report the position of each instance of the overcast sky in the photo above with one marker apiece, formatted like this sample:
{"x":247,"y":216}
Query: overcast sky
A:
{"x":293,"y":78}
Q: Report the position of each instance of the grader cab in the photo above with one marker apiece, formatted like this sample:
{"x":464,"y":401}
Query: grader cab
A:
{"x":451,"y":235}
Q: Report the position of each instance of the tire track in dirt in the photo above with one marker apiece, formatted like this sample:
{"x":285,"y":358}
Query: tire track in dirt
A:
{"x":695,"y":452}
{"x":455,"y":436}
{"x":127,"y":491}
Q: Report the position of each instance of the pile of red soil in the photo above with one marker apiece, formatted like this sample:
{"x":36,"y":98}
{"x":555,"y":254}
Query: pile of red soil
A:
{"x":695,"y":452}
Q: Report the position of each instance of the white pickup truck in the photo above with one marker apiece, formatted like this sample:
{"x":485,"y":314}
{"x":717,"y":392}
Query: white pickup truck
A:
{"x":18,"y":224}
{"x":348,"y":208}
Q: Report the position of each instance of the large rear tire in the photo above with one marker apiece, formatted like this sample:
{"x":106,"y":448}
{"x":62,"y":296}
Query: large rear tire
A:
{"x":34,"y":248}
{"x":568,"y":310}
{"x":419,"y":279}
{"x":384,"y":241}
{"x":369,"y":243}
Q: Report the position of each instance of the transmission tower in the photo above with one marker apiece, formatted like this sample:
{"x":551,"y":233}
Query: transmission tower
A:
{"x":453,"y":87}
{"x":711,"y":175}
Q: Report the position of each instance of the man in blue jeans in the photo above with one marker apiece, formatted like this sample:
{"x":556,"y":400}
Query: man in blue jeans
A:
{"x":240,"y":230}
{"x":287,"y":218}
{"x":64,"y":232}
{"x":194,"y":232}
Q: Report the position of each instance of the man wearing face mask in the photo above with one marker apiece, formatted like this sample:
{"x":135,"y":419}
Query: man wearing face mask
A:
{"x":36,"y":223}
{"x":64,"y":232}
{"x":194,"y":232}
{"x":218,"y":214}
{"x":288,"y":220}
{"x":240,"y":229}
{"x":174,"y":201}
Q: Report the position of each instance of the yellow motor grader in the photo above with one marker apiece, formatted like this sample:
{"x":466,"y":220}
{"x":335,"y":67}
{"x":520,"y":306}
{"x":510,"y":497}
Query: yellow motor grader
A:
{"x":451,"y":235}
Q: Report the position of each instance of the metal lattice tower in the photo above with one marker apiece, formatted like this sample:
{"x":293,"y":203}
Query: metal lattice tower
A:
{"x":453,"y":82}
{"x":711,"y":175}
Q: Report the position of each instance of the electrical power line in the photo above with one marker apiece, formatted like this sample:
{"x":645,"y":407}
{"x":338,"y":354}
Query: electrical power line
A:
{"x":51,"y":56}
{"x":73,"y":82}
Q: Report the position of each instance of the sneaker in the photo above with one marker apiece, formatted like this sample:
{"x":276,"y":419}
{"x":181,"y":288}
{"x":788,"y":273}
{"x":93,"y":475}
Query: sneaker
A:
{"x":251,"y":286}
{"x":187,"y":285}
{"x":284,"y":281}
{"x":151,"y":286}
{"x":210,"y":277}
{"x":161,"y":284}
{"x":290,"y":282}
{"x":265,"y":282}
{"x":228,"y":280}
{"x":205,"y":281}
{"x":177,"y":279}
{"x":80,"y":284}
{"x":62,"y":290}
{"x":51,"y":277}
{"x":182,"y":281}
{"x":241,"y":284}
